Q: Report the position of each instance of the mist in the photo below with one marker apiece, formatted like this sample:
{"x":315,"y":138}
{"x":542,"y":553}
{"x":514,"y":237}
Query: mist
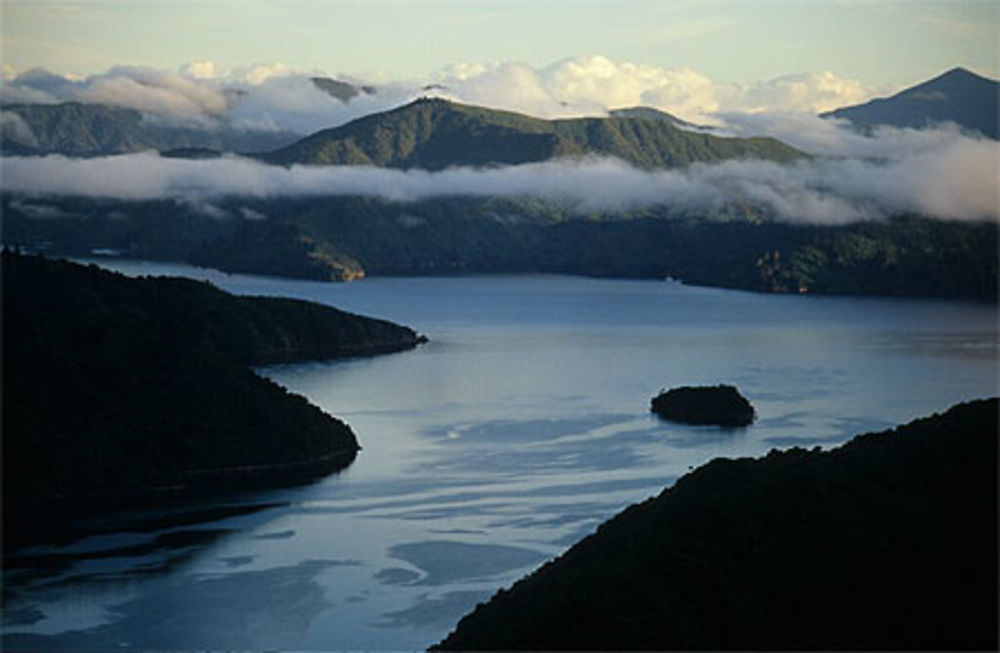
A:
{"x":936,"y":173}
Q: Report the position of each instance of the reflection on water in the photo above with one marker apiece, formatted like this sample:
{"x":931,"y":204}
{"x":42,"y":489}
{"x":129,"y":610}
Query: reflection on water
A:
{"x":520,"y":427}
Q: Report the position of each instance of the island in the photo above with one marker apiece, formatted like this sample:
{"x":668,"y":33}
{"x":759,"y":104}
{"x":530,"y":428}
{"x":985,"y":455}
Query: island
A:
{"x":720,"y":405}
{"x":118,"y":391}
{"x":886,"y":542}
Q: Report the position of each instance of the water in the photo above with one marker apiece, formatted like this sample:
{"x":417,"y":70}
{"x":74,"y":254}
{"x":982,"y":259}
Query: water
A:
{"x":520,"y":427}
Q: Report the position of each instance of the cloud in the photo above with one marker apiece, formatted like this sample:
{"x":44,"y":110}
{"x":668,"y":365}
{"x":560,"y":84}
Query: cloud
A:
{"x":13,"y":127}
{"x":591,"y":85}
{"x":156,"y":92}
{"x":954,"y":177}
{"x":836,"y":138}
{"x":814,"y":92}
{"x":294,"y":103}
{"x":199,"y":69}
{"x":272,"y":96}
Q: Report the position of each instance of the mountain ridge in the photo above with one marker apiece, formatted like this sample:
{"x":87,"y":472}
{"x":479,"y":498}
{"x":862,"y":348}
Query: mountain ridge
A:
{"x":81,"y":129}
{"x":887,"y":542}
{"x":958,"y":95}
{"x":433,"y":134}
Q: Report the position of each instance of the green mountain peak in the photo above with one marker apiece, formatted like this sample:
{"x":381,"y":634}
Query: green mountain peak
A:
{"x":434,"y":133}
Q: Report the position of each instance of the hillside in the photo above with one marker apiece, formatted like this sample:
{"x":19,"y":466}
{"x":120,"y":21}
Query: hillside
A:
{"x":957,"y":96}
{"x":343,"y":238}
{"x":120,"y":389}
{"x":888,"y":542}
{"x":433,"y":134}
{"x":77,"y":129}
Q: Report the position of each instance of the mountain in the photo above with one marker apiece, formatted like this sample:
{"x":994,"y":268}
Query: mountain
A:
{"x":433,"y":134}
{"x":343,"y":238}
{"x":77,"y":129}
{"x":122,"y":390}
{"x":342,"y":91}
{"x":957,"y":96}
{"x":649,"y":113}
{"x":888,"y":542}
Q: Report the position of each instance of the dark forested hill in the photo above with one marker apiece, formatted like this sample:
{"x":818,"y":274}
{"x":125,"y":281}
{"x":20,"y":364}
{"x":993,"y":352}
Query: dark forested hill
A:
{"x":115,"y":387}
{"x":347,"y":237}
{"x":77,"y":129}
{"x":433,"y":134}
{"x":888,"y":542}
{"x":957,"y":96}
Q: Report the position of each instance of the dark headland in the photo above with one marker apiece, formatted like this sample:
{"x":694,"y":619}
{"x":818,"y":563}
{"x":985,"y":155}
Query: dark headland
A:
{"x":720,"y":405}
{"x":887,"y":542}
{"x":120,"y":391}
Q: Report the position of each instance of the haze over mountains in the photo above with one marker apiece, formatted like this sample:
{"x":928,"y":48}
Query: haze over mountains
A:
{"x":434,"y":185}
{"x":129,"y":109}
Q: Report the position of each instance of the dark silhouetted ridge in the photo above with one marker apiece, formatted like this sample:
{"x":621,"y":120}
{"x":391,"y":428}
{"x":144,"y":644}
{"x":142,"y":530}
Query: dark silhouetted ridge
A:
{"x":117,"y":390}
{"x":887,"y":542}
{"x":958,"y":96}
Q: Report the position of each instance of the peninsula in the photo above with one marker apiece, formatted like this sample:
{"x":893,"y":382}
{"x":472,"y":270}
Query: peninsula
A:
{"x":117,"y":390}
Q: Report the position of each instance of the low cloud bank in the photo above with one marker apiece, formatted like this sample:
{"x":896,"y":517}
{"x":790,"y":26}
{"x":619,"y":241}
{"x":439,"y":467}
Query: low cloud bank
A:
{"x":943,"y":175}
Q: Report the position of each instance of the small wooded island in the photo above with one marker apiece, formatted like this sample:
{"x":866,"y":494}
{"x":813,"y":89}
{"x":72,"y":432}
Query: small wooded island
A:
{"x":721,"y":405}
{"x":120,"y":390}
{"x":887,"y":542}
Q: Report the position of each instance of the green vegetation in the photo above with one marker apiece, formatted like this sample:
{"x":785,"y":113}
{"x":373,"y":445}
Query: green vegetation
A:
{"x":118,"y":389}
{"x":77,"y":129}
{"x":722,"y":405}
{"x":342,"y":238}
{"x":433,"y":134}
{"x":888,"y":542}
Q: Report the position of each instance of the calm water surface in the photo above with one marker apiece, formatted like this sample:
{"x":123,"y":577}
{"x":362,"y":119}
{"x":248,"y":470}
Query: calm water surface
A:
{"x":522,"y":425}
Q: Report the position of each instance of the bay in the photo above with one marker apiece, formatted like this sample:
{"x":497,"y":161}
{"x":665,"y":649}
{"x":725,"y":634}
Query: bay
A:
{"x":521,"y":425}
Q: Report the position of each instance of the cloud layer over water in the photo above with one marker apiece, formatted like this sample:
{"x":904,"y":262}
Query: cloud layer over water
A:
{"x":938,"y":173}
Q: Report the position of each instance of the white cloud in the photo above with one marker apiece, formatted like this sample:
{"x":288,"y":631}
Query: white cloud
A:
{"x":272,"y":96}
{"x":292,"y":102}
{"x":834,"y":137}
{"x":157,"y":92}
{"x":812,"y":92}
{"x":953,"y":177}
{"x":259,"y":72}
{"x":590,"y":85}
{"x":199,"y":69}
{"x":13,"y":127}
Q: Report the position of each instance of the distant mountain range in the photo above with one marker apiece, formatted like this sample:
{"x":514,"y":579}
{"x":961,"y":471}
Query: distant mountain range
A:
{"x":436,"y":133}
{"x":344,"y":238}
{"x":78,"y":129}
{"x":433,"y":134}
{"x":86,"y":129}
{"x":429,"y":133}
{"x":957,"y":96}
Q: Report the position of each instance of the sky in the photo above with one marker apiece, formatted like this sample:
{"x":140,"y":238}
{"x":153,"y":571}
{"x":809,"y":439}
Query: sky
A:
{"x":882,"y":44}
{"x":745,"y":67}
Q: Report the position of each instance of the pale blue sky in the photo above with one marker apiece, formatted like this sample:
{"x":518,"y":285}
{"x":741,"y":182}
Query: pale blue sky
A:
{"x":881,"y":43}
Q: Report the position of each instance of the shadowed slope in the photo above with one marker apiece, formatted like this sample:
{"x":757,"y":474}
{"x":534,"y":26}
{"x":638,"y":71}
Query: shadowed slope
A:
{"x":889,"y":541}
{"x":115,"y":389}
